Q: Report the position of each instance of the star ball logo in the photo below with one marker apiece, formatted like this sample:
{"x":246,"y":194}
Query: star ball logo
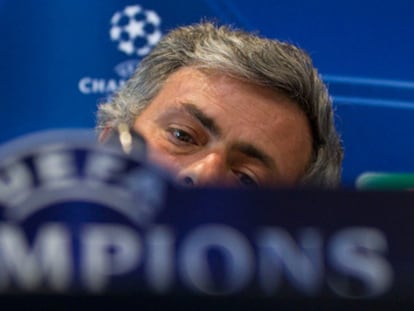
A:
{"x":135,"y":30}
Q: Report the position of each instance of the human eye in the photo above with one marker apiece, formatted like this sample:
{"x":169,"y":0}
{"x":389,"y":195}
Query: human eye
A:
{"x":180,"y":136}
{"x":246,"y":180}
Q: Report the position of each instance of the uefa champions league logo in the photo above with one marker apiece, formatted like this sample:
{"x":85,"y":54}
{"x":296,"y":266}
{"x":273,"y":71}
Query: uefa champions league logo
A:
{"x":136,"y":30}
{"x":57,"y":166}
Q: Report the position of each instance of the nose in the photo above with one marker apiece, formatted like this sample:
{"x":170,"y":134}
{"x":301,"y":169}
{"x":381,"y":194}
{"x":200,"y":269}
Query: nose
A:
{"x":209,"y":170}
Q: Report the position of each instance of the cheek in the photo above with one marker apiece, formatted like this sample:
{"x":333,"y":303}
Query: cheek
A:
{"x":159,"y":155}
{"x":157,"y":147}
{"x":142,"y":125}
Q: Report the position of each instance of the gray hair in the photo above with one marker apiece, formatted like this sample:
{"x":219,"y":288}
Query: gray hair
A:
{"x":276,"y":65}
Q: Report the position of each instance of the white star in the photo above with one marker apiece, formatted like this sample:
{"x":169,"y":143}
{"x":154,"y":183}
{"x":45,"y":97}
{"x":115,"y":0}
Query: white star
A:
{"x":126,"y":47}
{"x":115,"y":19}
{"x":135,"y":29}
{"x":115,"y":33}
{"x":132,"y":10}
{"x":153,"y":17}
{"x":143,"y":51}
{"x":154,"y":38}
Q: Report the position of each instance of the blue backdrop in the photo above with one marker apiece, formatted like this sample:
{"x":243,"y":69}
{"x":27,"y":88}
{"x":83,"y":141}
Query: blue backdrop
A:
{"x":59,"y":59}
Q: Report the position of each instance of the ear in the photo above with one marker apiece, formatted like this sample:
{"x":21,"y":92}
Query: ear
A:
{"x":105,"y":134}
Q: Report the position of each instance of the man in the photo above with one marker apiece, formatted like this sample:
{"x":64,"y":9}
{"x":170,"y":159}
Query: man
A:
{"x":223,"y":107}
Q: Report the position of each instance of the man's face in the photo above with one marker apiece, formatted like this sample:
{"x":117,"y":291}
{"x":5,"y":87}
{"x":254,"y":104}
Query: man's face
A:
{"x":210,"y":129}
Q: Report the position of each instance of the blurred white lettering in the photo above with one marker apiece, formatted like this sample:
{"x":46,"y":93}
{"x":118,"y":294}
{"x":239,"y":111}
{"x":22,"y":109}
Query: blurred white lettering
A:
{"x":16,"y":182}
{"x":237,"y":257}
{"x":108,"y":250}
{"x":88,"y":85}
{"x":212,"y":259}
{"x":357,"y":253}
{"x":48,"y":260}
{"x":160,"y":258}
{"x":279,"y":253}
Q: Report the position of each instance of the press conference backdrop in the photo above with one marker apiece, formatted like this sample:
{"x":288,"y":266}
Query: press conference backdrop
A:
{"x":59,"y":59}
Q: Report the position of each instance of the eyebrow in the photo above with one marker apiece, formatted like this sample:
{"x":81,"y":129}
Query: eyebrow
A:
{"x":205,"y":120}
{"x":242,"y":147}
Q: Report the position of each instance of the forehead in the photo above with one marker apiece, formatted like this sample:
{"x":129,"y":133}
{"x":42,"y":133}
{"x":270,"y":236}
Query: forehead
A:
{"x":190,"y":83}
{"x":244,"y":112}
